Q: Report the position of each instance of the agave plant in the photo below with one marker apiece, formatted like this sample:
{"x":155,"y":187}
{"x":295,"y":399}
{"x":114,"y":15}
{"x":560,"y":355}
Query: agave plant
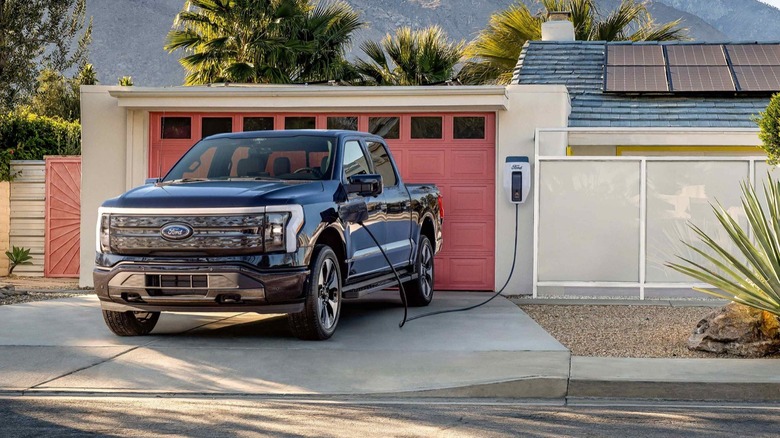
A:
{"x":751,"y":277}
{"x":18,"y":256}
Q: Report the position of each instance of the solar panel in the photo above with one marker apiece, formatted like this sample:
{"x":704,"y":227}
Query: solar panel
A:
{"x":630,"y":55}
{"x":699,"y":54}
{"x":636,"y":79}
{"x":754,"y":54}
{"x":758,"y":78}
{"x":695,"y":79}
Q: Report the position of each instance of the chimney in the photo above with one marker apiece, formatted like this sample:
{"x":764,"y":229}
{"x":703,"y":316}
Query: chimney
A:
{"x":558,"y":27}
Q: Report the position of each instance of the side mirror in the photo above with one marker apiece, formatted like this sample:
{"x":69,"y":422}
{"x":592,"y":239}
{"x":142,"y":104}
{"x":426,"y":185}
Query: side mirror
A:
{"x":365,"y":185}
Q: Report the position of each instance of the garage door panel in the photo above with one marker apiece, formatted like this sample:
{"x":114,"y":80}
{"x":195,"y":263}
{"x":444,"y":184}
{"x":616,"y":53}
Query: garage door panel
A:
{"x":422,"y":164}
{"x":477,"y":164}
{"x":467,"y":236}
{"x":473,"y":200}
{"x":468,"y":273}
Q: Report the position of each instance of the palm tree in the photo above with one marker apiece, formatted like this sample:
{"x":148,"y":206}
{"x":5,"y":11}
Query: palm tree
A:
{"x":262,"y":41}
{"x":494,"y":53}
{"x":410,"y":57}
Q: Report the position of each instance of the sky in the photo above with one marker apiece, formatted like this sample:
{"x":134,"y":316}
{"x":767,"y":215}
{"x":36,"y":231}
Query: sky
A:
{"x":775,"y":3}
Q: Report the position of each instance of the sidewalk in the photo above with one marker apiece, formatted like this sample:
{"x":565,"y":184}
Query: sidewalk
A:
{"x":495,"y":351}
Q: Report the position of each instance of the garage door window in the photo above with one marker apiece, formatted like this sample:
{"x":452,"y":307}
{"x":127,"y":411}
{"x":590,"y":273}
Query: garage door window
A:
{"x":215,"y":125}
{"x":348,"y":123}
{"x":426,"y":127}
{"x":468,"y":127}
{"x":176,"y":127}
{"x":299,"y":123}
{"x":388,"y":128}
{"x":258,"y":123}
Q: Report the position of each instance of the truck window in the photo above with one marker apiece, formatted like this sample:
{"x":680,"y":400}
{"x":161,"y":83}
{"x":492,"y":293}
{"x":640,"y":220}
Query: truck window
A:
{"x":354,"y":162}
{"x":382,"y":163}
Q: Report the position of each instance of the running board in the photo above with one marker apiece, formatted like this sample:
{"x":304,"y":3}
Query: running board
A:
{"x":363,"y":288}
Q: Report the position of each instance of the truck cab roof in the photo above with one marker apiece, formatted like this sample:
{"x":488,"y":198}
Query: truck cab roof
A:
{"x":339,"y":133}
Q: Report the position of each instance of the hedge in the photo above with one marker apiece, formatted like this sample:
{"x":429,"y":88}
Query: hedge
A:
{"x":27,"y":136}
{"x":769,"y":122}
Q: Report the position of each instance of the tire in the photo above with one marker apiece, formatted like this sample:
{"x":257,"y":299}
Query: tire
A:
{"x":320,"y":315}
{"x":130,"y":323}
{"x":419,"y":292}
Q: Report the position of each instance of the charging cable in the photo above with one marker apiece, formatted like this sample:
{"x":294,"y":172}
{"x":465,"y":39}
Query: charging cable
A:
{"x":463,"y":309}
{"x":397,"y":278}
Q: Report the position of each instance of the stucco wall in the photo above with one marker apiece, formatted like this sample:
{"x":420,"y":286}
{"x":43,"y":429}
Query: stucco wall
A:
{"x":5,"y":225}
{"x":104,"y":164}
{"x":530,"y":107}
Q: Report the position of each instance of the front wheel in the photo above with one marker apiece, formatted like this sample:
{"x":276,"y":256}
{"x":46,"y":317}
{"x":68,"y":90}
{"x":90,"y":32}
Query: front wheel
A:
{"x":419,"y":292}
{"x":320,"y":315}
{"x":130,"y":323}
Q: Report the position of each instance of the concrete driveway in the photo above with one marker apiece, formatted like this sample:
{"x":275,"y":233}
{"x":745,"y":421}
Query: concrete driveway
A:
{"x":493,"y":351}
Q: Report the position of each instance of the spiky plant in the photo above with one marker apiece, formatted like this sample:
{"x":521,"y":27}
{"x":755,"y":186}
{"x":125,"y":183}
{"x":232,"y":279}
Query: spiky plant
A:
{"x":18,"y":256}
{"x":755,"y":279}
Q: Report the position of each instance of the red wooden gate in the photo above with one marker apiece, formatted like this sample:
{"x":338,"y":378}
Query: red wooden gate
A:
{"x":63,"y":216}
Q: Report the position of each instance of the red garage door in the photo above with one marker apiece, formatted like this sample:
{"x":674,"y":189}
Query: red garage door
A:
{"x":454,"y":150}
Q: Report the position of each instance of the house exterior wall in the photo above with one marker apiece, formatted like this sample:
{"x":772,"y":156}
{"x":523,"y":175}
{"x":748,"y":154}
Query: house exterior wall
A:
{"x":530,"y":107}
{"x":104,"y":151}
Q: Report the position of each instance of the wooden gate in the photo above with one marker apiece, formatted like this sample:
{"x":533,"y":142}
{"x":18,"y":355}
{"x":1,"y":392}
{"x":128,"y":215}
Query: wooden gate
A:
{"x":63,"y":216}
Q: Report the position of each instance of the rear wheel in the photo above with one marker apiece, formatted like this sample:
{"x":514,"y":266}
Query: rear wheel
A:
{"x":130,"y":323}
{"x":322,"y":308}
{"x":419,"y":292}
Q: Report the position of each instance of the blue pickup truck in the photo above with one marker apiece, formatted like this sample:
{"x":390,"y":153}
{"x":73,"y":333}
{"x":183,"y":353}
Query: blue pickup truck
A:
{"x":264,"y":222}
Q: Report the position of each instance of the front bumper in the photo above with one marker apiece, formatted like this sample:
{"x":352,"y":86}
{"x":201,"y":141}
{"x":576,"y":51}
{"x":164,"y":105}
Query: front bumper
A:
{"x":199,"y":288}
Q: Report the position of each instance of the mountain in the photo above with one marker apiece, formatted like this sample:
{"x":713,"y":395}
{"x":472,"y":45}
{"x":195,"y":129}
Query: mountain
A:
{"x":128,"y":35}
{"x":742,"y":20}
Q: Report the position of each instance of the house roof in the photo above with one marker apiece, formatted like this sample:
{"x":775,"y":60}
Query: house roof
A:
{"x":579,"y":65}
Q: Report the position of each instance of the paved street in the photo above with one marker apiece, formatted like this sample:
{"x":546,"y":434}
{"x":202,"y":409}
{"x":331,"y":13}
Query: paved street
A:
{"x":236,"y":416}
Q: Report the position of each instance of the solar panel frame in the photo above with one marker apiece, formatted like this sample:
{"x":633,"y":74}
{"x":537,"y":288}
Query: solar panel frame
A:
{"x":636,"y":79}
{"x":697,"y":79}
{"x":695,"y":55}
{"x":753,"y":54}
{"x":633,"y":55}
{"x":765,"y":78}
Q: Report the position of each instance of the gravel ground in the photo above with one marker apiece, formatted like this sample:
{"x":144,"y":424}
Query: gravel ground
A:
{"x":622,"y":331}
{"x":39,"y":295}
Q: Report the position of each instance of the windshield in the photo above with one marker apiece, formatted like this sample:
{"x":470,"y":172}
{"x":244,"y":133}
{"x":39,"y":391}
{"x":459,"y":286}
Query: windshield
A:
{"x":300,"y":157}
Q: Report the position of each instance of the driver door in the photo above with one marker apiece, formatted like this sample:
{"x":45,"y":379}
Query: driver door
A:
{"x":364,"y":255}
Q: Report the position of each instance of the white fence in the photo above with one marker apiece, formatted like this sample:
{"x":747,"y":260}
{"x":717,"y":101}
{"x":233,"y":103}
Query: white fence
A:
{"x":28,"y":203}
{"x":605,"y":225}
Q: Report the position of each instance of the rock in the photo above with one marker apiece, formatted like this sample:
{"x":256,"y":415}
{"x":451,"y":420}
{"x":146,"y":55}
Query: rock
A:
{"x":2,"y":295}
{"x":739,"y":330}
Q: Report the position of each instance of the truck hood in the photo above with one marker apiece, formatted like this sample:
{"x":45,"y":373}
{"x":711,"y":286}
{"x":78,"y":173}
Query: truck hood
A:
{"x":216,"y":194}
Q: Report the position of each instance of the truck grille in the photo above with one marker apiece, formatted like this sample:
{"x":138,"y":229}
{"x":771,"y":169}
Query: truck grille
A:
{"x":211,"y":235}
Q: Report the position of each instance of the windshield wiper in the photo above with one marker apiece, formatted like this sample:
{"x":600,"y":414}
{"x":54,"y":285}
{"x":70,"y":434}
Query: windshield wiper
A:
{"x":183,"y":180}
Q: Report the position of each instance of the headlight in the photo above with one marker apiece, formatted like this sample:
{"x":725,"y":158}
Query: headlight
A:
{"x":103,"y":241}
{"x":274,"y":231}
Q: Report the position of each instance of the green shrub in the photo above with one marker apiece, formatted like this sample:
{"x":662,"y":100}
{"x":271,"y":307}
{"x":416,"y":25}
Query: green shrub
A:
{"x":27,"y":136}
{"x":769,"y":122}
{"x":18,"y":256}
